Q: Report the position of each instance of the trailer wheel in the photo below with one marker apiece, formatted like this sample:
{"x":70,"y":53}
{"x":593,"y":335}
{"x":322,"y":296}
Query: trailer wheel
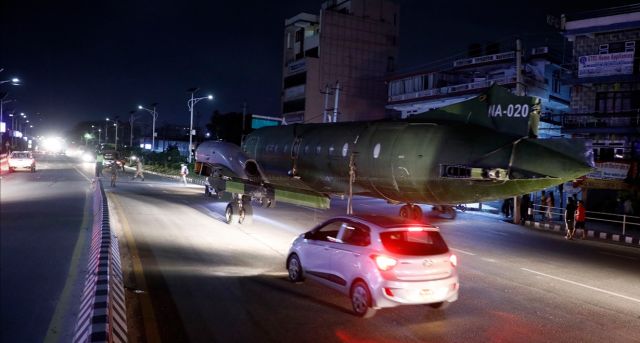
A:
{"x":232,"y":213}
{"x":246,"y":214}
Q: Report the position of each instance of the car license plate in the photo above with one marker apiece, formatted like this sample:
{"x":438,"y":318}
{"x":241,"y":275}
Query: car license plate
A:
{"x":426,"y":292}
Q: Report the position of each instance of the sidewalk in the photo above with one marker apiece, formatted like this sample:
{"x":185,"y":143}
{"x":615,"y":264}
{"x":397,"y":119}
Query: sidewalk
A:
{"x":595,"y":231}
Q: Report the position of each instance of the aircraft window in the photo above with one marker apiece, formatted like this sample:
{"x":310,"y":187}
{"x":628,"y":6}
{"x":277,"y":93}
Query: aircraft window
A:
{"x":376,"y":151}
{"x":318,"y":150}
{"x":331,"y":149}
{"x":345,"y":149}
{"x":306,"y":149}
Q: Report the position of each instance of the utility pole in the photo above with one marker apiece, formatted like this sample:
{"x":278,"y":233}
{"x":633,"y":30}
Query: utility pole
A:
{"x":326,"y":103}
{"x":518,"y":67}
{"x":335,"y":106}
{"x":244,"y":114}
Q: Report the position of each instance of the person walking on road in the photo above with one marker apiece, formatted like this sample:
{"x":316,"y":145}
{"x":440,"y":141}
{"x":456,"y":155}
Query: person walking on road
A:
{"x":99,"y":163}
{"x":184,"y":171}
{"x":114,"y":173}
{"x":581,"y":217}
{"x":139,"y":171}
{"x":550,"y":204}
{"x":543,"y":204}
{"x":569,"y":218}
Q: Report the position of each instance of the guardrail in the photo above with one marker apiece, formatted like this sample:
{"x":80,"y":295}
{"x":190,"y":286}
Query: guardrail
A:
{"x":619,"y":221}
{"x":102,"y":316}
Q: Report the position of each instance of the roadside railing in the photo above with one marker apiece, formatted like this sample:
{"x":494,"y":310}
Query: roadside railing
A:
{"x":612,"y":221}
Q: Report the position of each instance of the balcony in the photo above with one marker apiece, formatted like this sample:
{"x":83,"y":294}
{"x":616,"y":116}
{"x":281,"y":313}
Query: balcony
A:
{"x":594,"y":123}
{"x":452,"y":90}
{"x":484,"y":59}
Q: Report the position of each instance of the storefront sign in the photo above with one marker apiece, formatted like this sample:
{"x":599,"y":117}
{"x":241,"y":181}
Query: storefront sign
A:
{"x":618,"y":63}
{"x":610,"y":171}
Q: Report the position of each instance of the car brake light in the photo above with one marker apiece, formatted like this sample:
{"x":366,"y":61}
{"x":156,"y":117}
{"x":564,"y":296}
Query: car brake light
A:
{"x":384,"y":262}
{"x":454,"y":260}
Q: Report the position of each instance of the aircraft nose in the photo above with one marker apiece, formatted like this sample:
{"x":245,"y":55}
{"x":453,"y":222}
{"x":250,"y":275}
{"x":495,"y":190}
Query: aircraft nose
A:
{"x":561,"y":158}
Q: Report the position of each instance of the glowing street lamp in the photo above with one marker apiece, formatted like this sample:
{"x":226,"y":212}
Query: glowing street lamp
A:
{"x":154,"y":114}
{"x":190,"y":103}
{"x":106,"y":131}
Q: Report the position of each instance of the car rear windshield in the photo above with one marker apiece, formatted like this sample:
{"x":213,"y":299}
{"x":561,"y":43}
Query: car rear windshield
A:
{"x":414,"y":243}
{"x":20,"y":155}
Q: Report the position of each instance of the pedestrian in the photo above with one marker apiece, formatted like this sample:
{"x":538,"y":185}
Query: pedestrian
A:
{"x":628,"y":207}
{"x":543,"y":204}
{"x":550,"y":205}
{"x":139,"y":171}
{"x":569,"y":218}
{"x":581,"y":217}
{"x":114,"y":173}
{"x":184,"y":171}
{"x":524,"y":208}
{"x":99,"y":163}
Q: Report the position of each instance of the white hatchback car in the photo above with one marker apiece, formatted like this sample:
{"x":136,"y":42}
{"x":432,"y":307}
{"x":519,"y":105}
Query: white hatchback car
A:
{"x":378,"y":261}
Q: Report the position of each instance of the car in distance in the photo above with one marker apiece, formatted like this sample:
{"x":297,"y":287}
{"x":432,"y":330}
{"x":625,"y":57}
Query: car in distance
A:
{"x":22,"y":160}
{"x":378,"y":261}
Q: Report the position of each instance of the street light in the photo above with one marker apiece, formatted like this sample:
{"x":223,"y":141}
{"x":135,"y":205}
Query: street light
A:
{"x":99,"y":136}
{"x":15,"y":81}
{"x":154,"y":114}
{"x":190,"y":103}
{"x":115,"y":123}
{"x":106,"y":131}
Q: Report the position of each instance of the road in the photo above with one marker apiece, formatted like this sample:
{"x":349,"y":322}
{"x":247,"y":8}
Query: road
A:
{"x":44,"y":220}
{"x":191,"y":277}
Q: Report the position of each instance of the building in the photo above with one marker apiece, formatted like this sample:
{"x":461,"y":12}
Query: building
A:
{"x":605,"y":94}
{"x":461,"y":79}
{"x":334,"y":63}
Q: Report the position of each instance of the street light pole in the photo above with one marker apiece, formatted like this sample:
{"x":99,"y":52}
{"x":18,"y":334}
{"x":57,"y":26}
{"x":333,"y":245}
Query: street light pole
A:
{"x":190,"y":103}
{"x":106,"y":131}
{"x":154,"y":114}
{"x":115,"y":123}
{"x":99,"y":136}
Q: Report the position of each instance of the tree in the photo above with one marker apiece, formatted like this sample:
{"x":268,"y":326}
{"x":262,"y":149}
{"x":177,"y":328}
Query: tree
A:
{"x":227,"y":126}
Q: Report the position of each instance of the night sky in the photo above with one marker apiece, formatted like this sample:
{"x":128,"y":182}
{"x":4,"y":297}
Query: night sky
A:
{"x":88,"y":60}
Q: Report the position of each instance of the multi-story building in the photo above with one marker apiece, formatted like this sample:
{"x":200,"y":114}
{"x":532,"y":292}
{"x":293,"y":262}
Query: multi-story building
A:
{"x":335,"y":62}
{"x":462,"y":79}
{"x":605,"y":95}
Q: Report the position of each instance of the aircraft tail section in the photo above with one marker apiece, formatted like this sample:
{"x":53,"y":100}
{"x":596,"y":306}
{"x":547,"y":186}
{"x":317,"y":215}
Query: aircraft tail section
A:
{"x":497,"y":109}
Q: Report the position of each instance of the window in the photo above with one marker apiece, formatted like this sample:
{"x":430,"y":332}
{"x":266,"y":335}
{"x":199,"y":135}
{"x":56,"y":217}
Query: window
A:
{"x":376,"y":150}
{"x":414,"y":243}
{"x":555,"y":81}
{"x":356,"y":234}
{"x":614,"y":102}
{"x":327,"y":233}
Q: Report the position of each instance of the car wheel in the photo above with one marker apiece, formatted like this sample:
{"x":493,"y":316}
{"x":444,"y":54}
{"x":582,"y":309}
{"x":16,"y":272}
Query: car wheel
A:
{"x":441,"y":305}
{"x":361,"y":300}
{"x":405,"y":211}
{"x":294,"y":267}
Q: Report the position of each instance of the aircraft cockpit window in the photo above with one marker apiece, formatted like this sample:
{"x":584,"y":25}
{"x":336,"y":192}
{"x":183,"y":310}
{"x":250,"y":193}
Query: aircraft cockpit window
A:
{"x":376,"y":151}
{"x":345,"y":149}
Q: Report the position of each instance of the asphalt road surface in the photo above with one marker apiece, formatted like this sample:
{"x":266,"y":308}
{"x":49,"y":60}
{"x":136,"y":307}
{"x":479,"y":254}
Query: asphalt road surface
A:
{"x":45,"y":218}
{"x":191,"y":277}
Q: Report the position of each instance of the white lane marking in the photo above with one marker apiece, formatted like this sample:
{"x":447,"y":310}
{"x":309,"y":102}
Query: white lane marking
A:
{"x":464,"y":252}
{"x":582,"y":285}
{"x":498,"y":233}
{"x":488,"y":259}
{"x":616,"y":255}
{"x":84,"y":176}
